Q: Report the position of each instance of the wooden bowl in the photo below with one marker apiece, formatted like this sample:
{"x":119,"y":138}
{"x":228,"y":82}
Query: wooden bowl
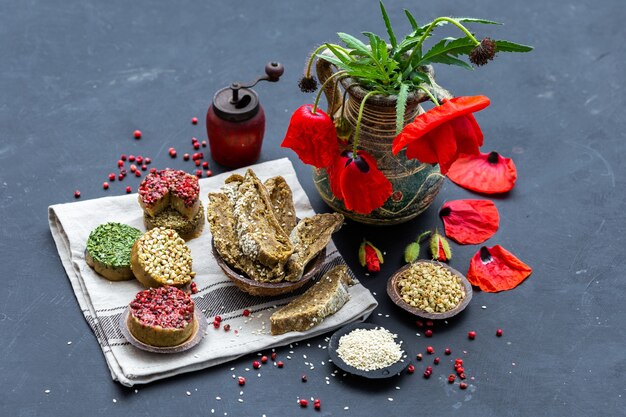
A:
{"x":394,"y":293}
{"x":268,"y":289}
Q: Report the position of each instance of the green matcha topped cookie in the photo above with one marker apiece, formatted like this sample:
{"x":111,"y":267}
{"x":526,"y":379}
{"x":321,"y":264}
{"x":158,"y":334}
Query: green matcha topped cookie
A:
{"x":108,"y":250}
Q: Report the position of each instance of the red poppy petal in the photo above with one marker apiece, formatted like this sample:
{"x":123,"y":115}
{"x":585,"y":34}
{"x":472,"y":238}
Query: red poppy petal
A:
{"x":334,"y":172}
{"x":312,"y":136}
{"x":371,"y":259}
{"x":364,"y":192}
{"x":437,"y":146}
{"x":425,"y":122}
{"x":496,"y":269}
{"x":469,"y":137}
{"x":478,"y":173}
{"x":470,"y":221}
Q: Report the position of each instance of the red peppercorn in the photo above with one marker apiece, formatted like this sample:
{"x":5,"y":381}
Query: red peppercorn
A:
{"x":194,"y":290}
{"x":111,"y":177}
{"x":304,"y":378}
{"x":137,"y":173}
{"x":105,"y":185}
{"x":144,"y":167}
{"x":458,"y":361}
{"x":216,"y":324}
{"x":428,"y":333}
{"x":317,"y":404}
{"x":419,"y":323}
{"x":246,"y":312}
{"x":411,"y":369}
{"x":436,"y":361}
{"x":241,"y":381}
{"x":120,"y":177}
{"x":447,"y":351}
{"x":499,"y":332}
{"x":459,"y":370}
{"x":137,"y":134}
{"x":209,"y":173}
{"x":205,"y":165}
{"x":173,"y":153}
{"x":451,"y":378}
{"x":256,"y":364}
{"x":197,"y":162}
{"x":419,"y":357}
{"x":201,"y":155}
{"x":153,"y":170}
{"x":147,"y":161}
{"x":76,"y":194}
{"x":430,"y":350}
{"x":429,"y":323}
{"x":471,"y":335}
{"x":133,"y":168}
{"x":462,"y":375}
{"x":198,"y":173}
{"x":128,"y":190}
{"x":273,"y":356}
{"x":194,"y":120}
{"x":120,"y":163}
{"x":123,"y":157}
{"x":123,"y":172}
{"x":195,"y":156}
{"x":263,"y":359}
{"x":196,"y":145}
{"x":226,"y":327}
{"x":280,"y":364}
{"x":427,"y":374}
{"x":218,"y":318}
{"x":186,"y":157}
{"x":139,"y":159}
{"x":303,"y":403}
{"x":131,"y":158}
{"x":204,"y":143}
{"x":193,"y":140}
{"x":463,"y":385}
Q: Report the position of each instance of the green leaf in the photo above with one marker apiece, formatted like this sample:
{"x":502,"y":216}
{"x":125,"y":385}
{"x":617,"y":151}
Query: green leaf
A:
{"x":401,"y":107}
{"x":412,"y":20}
{"x":338,"y":54}
{"x":506,"y":46}
{"x":392,"y":36}
{"x":449,"y":60}
{"x":333,"y":60}
{"x":476,"y":20}
{"x":354,"y":43}
{"x":450,"y":46}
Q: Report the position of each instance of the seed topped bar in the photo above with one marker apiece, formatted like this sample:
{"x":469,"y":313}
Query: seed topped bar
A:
{"x":169,"y":187}
{"x":161,"y":257}
{"x":161,"y":316}
{"x":282,"y":202}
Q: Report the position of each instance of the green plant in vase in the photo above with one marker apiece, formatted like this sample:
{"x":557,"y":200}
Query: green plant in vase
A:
{"x":357,"y":141}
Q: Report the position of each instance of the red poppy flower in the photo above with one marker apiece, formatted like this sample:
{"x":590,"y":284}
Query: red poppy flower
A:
{"x":487,"y":173}
{"x":440,"y":248}
{"x":470,"y":221}
{"x":357,"y":181}
{"x":370,"y":257}
{"x":312,"y":136}
{"x":496,"y":269}
{"x":444,"y":132}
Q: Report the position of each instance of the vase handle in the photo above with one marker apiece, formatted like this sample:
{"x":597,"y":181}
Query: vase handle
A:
{"x":332,"y":91}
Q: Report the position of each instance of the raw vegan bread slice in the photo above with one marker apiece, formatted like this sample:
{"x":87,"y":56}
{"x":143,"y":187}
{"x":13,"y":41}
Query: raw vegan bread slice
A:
{"x":323,"y":299}
{"x":222,"y":223}
{"x":260,"y":235}
{"x":309,"y":237}
{"x":282,"y":202}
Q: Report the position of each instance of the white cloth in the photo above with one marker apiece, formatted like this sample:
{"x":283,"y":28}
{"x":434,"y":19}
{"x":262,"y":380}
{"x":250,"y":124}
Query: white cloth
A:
{"x":103,"y":302}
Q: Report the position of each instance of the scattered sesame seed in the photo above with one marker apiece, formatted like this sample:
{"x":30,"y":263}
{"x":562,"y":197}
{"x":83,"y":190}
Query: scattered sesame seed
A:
{"x":346,"y":408}
{"x":69,"y":343}
{"x":47,"y":391}
{"x":114,"y":400}
{"x":390,"y":399}
{"x":218,"y":398}
{"x":188,"y":393}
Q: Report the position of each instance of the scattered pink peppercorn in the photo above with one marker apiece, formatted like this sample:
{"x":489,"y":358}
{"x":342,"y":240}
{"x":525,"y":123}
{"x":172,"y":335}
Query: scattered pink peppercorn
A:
{"x":111,"y":177}
{"x":205,"y":165}
{"x":198,"y":173}
{"x":436,"y":361}
{"x":129,"y":190}
{"x":428,"y":333}
{"x":303,"y":403}
{"x":246,"y":312}
{"x":463,"y":385}
{"x":139,"y":160}
{"x":194,"y":290}
{"x":209,"y":173}
{"x":144,"y":167}
{"x":241,"y":381}
{"x":133,"y":168}
{"x":204,"y":143}
{"x":194,"y":140}
{"x":216,"y":324}
{"x":226,"y":327}
{"x":186,"y":157}
{"x":304,"y":378}
{"x":280,"y":364}
{"x":153,"y":170}
{"x":137,"y":134}
{"x":273,"y":356}
{"x":419,"y":357}
{"x":77,"y":194}
{"x":430,"y":350}
{"x":172,"y":153}
{"x":427,"y":374}
{"x":196,"y":145}
{"x":256,"y":364}
{"x":471,"y":335}
{"x":120,"y":177}
{"x":105,"y":185}
{"x":447,"y":351}
{"x":263,"y":359}
{"x":462,"y":375}
{"x":197,"y":162}
{"x":137,"y":173}
{"x":120,"y":163}
{"x":499,"y":332}
{"x":317,"y":404}
{"x":419,"y":323}
{"x":194,"y":120}
{"x":451,"y":378}
{"x":411,"y":369}
{"x":460,"y":370}
{"x":131,"y":158}
{"x":429,"y":323}
{"x":123,"y":157}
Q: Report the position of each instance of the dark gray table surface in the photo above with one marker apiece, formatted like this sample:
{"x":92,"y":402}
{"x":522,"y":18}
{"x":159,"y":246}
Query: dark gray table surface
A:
{"x":77,"y":77}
